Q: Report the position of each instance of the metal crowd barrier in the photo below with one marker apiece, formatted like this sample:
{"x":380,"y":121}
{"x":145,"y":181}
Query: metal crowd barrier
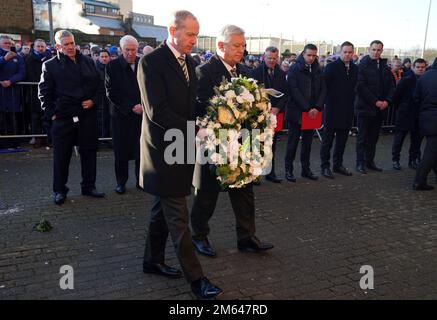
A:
{"x":28,"y":123}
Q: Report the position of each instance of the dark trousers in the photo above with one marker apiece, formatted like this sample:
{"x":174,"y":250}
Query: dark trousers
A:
{"x":368,"y":136}
{"x":273,"y":172}
{"x":122,"y":171}
{"x":65,"y":135}
{"x":243,"y":204}
{"x":429,"y":161}
{"x":415,"y":143}
{"x":170,"y":216}
{"x":294,"y":134}
{"x":341,"y":137}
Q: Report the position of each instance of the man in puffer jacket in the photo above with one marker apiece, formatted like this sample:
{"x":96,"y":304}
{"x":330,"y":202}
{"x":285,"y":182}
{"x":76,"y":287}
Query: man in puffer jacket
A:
{"x":375,"y":89}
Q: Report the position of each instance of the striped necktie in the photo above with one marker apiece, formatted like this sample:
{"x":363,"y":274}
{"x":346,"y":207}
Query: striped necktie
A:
{"x":183,"y":64}
{"x":233,"y":72}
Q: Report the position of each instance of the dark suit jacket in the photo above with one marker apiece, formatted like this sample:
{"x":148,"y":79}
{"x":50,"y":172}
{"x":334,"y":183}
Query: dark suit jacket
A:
{"x":123,"y":93}
{"x":373,"y":84}
{"x":209,"y":75}
{"x":279,"y":82}
{"x":407,"y":112}
{"x":307,"y":90}
{"x":168,"y":103}
{"x":426,"y":96}
{"x":339,"y":107}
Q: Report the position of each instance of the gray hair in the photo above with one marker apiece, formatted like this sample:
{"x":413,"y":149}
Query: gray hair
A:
{"x":272,"y":49}
{"x":147,"y":50}
{"x":227,"y":31}
{"x":178,"y":17}
{"x":62,"y":34}
{"x":5,"y":37}
{"x":128,"y":39}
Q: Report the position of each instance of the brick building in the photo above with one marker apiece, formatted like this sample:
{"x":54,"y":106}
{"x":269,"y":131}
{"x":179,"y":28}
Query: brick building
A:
{"x":16,"y":18}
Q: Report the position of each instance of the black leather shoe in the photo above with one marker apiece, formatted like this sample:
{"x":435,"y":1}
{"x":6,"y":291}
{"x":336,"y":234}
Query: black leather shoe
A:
{"x":93,"y":193}
{"x":273,"y":178}
{"x":397,"y":166}
{"x":309,"y":175}
{"x":361,"y":169}
{"x":327,"y":173}
{"x":162,"y":270}
{"x":59,"y":198}
{"x":372,"y":166}
{"x":422,"y":187}
{"x":120,"y":190}
{"x":204,"y":248}
{"x":290,"y":177}
{"x":204,"y":289}
{"x":253,"y":244}
{"x":413,"y":165}
{"x":343,"y":171}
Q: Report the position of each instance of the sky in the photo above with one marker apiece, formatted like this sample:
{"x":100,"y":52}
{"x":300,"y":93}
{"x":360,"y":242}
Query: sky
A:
{"x":400,"y":24}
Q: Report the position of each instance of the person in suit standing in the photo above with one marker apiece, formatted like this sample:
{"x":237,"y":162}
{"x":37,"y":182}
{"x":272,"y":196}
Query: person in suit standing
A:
{"x":68,"y":93}
{"x":375,"y":89}
{"x":270,"y":74}
{"x":124,"y":94}
{"x":168,"y":84}
{"x":341,"y":80}
{"x":307,"y":90}
{"x":225,"y":64}
{"x":426,"y":97}
{"x":407,"y":117}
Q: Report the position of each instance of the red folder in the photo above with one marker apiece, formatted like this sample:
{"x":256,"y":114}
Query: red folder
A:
{"x":311,"y":124}
{"x":280,"y":125}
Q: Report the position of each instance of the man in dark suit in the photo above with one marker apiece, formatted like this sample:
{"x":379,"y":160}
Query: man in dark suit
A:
{"x":307,"y":90}
{"x":124,"y":94}
{"x":375,"y":89}
{"x":225,"y":64}
{"x":168,"y":84}
{"x":407,"y":113}
{"x":426,"y":97}
{"x":341,"y":80}
{"x":269,"y":74}
{"x":68,"y":94}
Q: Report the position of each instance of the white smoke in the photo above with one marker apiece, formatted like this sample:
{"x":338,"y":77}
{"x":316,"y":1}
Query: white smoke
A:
{"x":67,"y":14}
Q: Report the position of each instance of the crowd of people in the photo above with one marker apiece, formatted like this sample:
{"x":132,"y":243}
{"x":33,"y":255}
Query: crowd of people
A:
{"x":135,"y":94}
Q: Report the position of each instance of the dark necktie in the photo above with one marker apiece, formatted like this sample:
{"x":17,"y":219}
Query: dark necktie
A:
{"x":233,"y":73}
{"x":184,"y":67}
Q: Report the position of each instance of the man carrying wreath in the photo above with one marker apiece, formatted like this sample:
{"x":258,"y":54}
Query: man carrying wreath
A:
{"x":231,"y":44}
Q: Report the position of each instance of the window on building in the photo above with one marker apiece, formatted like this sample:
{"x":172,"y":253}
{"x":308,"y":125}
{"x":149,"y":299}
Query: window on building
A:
{"x":104,"y":10}
{"x":90,"y":8}
{"x":114,"y":11}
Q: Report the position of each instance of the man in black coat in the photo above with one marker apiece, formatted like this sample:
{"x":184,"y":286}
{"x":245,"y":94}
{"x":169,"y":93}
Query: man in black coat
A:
{"x":34,"y":61}
{"x":407,"y":117}
{"x":375,"y":89}
{"x":124,"y":94}
{"x":225,"y":64}
{"x":341,"y":80}
{"x":68,"y":94}
{"x":168,"y":83}
{"x":307,"y":90}
{"x":269,"y":74}
{"x":103,"y":106}
{"x":426,"y":96}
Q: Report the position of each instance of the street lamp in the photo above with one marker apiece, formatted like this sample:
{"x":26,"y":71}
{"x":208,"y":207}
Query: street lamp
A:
{"x":426,"y":31}
{"x":52,"y":42}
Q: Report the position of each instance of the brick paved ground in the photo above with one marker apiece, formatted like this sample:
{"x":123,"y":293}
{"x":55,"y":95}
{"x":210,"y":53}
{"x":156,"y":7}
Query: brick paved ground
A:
{"x":323,"y":231}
